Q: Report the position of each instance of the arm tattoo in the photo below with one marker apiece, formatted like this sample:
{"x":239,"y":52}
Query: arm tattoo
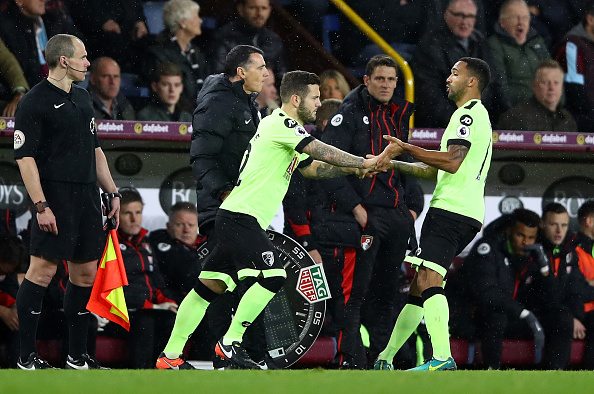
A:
{"x":418,"y":170}
{"x":458,"y":152}
{"x":325,"y":170}
{"x":332,"y":155}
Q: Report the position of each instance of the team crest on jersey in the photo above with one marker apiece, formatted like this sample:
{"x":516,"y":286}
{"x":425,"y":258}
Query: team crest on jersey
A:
{"x":93,"y":126}
{"x":19,"y":139}
{"x":336,"y":120}
{"x":290,"y":123}
{"x":483,"y":249}
{"x":463,"y":131}
{"x":366,"y":241}
{"x":163,"y":246}
{"x":268,"y":258}
{"x":301,"y":132}
{"x":365,"y":119}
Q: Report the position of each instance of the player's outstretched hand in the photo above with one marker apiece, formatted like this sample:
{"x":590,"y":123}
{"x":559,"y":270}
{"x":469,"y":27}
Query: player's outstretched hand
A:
{"x":395,"y":148}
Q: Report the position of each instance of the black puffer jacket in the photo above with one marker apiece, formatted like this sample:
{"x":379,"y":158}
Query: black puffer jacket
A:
{"x":224,"y":121}
{"x":178,"y":262}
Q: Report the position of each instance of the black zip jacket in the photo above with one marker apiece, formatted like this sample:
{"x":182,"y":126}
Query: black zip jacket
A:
{"x":224,"y":121}
{"x":178,"y":262}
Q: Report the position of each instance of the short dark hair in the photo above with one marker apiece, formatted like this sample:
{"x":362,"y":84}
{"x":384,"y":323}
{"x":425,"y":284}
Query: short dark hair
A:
{"x":526,"y":217}
{"x":553,"y":207}
{"x":326,"y":110}
{"x":588,"y":10}
{"x":479,"y":69}
{"x":59,"y":45}
{"x":239,"y":56}
{"x":585,"y":211}
{"x":548,"y":63}
{"x":296,"y":82}
{"x":166,"y":69}
{"x":130,"y":194}
{"x":182,"y":206}
{"x":380,"y":60}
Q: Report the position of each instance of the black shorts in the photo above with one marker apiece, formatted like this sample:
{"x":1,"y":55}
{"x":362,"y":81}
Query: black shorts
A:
{"x":442,"y":239}
{"x":77,"y":208}
{"x":242,"y":250}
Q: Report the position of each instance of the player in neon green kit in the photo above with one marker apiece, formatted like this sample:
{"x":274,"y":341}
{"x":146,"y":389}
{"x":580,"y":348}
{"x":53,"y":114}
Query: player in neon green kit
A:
{"x":456,"y":211}
{"x":280,"y":146}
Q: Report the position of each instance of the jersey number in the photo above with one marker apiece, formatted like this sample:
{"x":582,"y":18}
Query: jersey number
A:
{"x":246,"y":156}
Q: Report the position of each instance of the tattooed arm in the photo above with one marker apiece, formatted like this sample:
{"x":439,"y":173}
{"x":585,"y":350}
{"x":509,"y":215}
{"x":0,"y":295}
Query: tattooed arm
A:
{"x":419,"y":169}
{"x":332,"y":155}
{"x":448,"y":161}
{"x":318,"y":170}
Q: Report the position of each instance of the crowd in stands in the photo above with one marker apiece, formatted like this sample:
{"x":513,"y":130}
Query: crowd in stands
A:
{"x":514,"y":36}
{"x":542,"y":57}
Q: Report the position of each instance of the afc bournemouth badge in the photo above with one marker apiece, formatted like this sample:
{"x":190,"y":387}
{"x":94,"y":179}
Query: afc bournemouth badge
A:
{"x":366,"y":241}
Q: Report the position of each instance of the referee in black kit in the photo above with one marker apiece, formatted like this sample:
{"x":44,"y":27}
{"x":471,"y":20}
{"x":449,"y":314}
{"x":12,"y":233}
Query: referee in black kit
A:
{"x":58,"y":154}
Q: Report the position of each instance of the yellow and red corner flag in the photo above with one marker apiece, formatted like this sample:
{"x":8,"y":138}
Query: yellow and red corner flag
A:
{"x":107,"y":297}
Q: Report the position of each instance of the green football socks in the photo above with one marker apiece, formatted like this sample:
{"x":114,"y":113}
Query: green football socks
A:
{"x":250,"y":306}
{"x":437,"y":314}
{"x":189,"y":314}
{"x":407,"y":322}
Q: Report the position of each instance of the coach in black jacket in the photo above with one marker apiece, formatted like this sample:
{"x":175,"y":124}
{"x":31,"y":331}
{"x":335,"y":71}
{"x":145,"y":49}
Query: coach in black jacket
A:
{"x":383,"y":217}
{"x":224,"y":121}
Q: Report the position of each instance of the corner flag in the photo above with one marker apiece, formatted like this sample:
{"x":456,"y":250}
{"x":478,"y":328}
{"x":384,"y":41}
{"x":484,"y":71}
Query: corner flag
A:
{"x":107,"y":297}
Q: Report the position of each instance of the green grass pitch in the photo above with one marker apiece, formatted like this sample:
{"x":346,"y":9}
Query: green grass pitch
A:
{"x":296,"y":381}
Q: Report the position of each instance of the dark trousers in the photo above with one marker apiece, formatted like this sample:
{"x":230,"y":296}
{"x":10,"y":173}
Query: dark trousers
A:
{"x":494,"y":326}
{"x":9,"y":346}
{"x":221,"y":310}
{"x":149,"y":331}
{"x":376,"y":268}
{"x":589,"y":351}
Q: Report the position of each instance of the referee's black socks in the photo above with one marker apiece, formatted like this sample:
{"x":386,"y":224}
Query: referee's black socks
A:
{"x":29,"y":302}
{"x":77,"y":318}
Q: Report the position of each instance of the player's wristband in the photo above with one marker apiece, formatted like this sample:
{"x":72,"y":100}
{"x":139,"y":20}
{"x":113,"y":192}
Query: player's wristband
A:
{"x":40,"y":206}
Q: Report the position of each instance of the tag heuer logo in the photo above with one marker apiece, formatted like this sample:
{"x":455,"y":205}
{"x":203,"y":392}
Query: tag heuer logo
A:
{"x":312,"y":284}
{"x":268,"y":258}
{"x":366,"y":241}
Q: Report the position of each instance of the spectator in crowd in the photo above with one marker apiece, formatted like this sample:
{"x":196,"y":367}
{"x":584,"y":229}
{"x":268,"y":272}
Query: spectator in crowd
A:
{"x":543,"y":111}
{"x":268,"y":97}
{"x":174,"y":45}
{"x":25,"y":27}
{"x":151,"y":312}
{"x":585,"y":253}
{"x":167,"y":88}
{"x":12,"y":253}
{"x":517,"y":51}
{"x":104,"y":86}
{"x":333,"y":85}
{"x":553,"y":19}
{"x":250,"y":29}
{"x":385,"y":217}
{"x":113,"y":28}
{"x":13,"y":84}
{"x":176,"y":249}
{"x":400,"y":23}
{"x":436,"y":54}
{"x":576,"y":55}
{"x":509,"y":284}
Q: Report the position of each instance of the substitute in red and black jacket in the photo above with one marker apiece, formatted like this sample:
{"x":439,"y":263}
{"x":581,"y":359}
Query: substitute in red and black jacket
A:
{"x":511,"y":297}
{"x":377,"y":204}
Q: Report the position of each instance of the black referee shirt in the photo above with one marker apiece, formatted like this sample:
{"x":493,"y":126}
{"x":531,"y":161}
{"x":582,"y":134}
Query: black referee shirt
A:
{"x":58,"y":130}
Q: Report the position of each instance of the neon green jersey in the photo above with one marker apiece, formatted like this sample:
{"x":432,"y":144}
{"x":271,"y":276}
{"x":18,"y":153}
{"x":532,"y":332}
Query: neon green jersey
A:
{"x":463,"y":193}
{"x":270,"y":159}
